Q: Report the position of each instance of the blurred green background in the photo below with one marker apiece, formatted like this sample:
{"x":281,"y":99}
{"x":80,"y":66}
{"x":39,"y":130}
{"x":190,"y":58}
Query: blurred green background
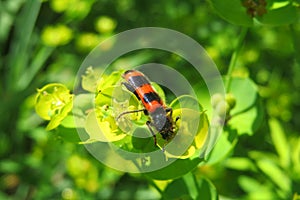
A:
{"x":46,"y":41}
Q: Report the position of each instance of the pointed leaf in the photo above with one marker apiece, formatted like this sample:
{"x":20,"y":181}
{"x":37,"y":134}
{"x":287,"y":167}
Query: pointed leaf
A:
{"x":280,"y":142}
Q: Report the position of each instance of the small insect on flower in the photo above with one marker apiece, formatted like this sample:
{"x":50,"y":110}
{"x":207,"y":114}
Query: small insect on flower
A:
{"x":160,"y":116}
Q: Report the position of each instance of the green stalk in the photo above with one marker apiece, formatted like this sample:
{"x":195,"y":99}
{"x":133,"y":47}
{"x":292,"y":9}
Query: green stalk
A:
{"x":17,"y":60}
{"x":32,"y":70}
{"x":296,"y":43}
{"x":195,"y":181}
{"x":234,"y":57}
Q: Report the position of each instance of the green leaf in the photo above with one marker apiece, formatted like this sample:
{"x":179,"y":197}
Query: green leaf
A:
{"x":240,"y":163}
{"x":280,"y":142}
{"x":255,"y":189}
{"x":280,"y":16}
{"x":191,"y":187}
{"x":261,"y":155}
{"x":249,"y":184}
{"x":9,"y":9}
{"x":101,"y":130}
{"x":223,"y":147}
{"x":232,"y":11}
{"x":21,"y":44}
{"x":186,"y":101}
{"x":249,"y":121}
{"x":68,"y":134}
{"x":57,"y":118}
{"x":31,"y":71}
{"x":206,"y":190}
{"x":68,"y":122}
{"x":177,"y":169}
{"x":277,"y":176}
{"x":248,"y":112}
{"x":110,"y":102}
{"x":83,"y":103}
{"x":142,"y":140}
{"x":110,"y":80}
{"x":114,"y":95}
{"x":9,"y":166}
{"x":90,"y":79}
{"x":177,"y":190}
{"x":295,"y":157}
{"x":245,"y":92}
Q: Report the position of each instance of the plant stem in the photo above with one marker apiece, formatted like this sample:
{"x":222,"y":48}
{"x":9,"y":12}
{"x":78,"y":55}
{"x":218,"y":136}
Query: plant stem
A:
{"x":234,"y":56}
{"x":40,"y":58}
{"x":296,"y":42}
{"x":195,"y":181}
{"x":18,"y":55}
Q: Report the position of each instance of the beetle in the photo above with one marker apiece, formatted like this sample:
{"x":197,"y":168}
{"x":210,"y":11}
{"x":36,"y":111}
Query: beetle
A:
{"x":160,"y":116}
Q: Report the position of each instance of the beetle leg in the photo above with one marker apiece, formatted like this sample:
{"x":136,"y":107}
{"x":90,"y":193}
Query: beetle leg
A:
{"x":131,"y":111}
{"x":151,"y":130}
{"x":170,"y":110}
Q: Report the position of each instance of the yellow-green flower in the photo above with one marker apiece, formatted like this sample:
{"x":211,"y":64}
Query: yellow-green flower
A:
{"x":105,"y":24}
{"x":87,"y":41}
{"x":57,"y":35}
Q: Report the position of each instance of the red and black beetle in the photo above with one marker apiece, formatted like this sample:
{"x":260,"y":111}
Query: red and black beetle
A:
{"x":160,"y":116}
